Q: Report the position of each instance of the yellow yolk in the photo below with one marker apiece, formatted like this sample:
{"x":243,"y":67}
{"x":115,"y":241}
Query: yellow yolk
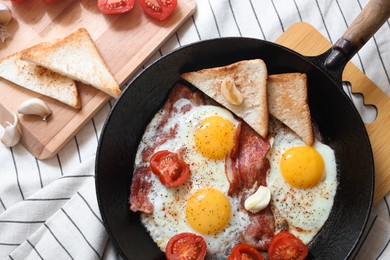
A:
{"x":208,"y":211}
{"x":214,"y":138}
{"x":302,"y":166}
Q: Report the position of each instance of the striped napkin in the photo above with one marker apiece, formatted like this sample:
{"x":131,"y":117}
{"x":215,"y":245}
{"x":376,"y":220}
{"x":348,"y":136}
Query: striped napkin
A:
{"x":48,"y":209}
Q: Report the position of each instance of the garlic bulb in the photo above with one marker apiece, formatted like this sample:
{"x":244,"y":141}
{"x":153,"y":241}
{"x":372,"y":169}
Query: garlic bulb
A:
{"x":5,"y":17}
{"x":34,"y":106}
{"x":11,"y":134}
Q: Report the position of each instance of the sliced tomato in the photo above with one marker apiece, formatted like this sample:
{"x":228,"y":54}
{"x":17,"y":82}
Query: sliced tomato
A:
{"x":186,"y":246}
{"x":170,"y":168}
{"x":245,"y":252}
{"x":115,"y":6}
{"x":287,"y":246}
{"x":158,"y":9}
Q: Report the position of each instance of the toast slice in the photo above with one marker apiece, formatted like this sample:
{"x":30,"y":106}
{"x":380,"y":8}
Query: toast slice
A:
{"x":75,"y":56}
{"x":287,"y":101}
{"x":40,"y":80}
{"x":249,"y":77}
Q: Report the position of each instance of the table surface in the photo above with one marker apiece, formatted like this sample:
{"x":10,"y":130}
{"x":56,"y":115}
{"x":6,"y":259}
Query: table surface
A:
{"x":25,"y":179}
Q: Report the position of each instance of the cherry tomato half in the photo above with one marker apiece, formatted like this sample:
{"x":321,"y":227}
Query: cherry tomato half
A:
{"x":186,"y":246}
{"x":245,"y":252}
{"x":170,"y":168}
{"x":287,"y":246}
{"x":158,"y":9}
{"x":115,"y":6}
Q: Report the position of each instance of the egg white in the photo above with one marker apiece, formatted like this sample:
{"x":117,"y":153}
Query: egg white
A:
{"x":168,"y":218}
{"x":305,"y":210}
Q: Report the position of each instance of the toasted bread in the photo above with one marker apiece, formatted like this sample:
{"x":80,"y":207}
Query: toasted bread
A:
{"x":249,"y":77}
{"x":75,"y":56}
{"x":288,"y":102}
{"x":39,"y":79}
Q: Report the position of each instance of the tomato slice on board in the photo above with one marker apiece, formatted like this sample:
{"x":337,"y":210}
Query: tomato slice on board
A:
{"x":287,"y":246}
{"x":186,"y":246}
{"x":115,"y":6}
{"x":245,"y":252}
{"x":170,"y":168}
{"x":158,"y":9}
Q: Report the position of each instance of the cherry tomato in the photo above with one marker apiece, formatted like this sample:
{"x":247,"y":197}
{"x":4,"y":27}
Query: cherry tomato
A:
{"x":287,"y":246}
{"x":115,"y":6}
{"x":186,"y":246}
{"x":170,"y":168}
{"x":158,"y":9}
{"x":245,"y":252}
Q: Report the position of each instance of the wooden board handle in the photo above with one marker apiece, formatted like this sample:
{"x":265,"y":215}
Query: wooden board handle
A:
{"x":372,"y":17}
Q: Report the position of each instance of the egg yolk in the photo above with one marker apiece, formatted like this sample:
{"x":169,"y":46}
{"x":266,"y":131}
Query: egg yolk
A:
{"x":214,"y":138}
{"x":302,"y":166}
{"x":208,"y":211}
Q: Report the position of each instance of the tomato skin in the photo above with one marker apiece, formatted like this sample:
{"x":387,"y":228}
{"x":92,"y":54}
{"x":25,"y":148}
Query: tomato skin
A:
{"x":287,"y":246}
{"x":186,"y":246}
{"x":18,"y":1}
{"x":245,"y":252}
{"x":115,"y":6}
{"x":170,"y":168}
{"x":158,"y":9}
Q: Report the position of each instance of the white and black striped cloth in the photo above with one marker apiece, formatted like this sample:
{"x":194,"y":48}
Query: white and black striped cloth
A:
{"x":48,"y":209}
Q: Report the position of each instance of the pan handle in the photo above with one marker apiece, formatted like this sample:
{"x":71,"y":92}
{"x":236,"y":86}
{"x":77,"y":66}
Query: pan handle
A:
{"x":372,"y":17}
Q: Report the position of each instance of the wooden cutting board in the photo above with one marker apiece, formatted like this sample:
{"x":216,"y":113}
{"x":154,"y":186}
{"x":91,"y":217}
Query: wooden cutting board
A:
{"x":306,"y":40}
{"x":125,"y":42}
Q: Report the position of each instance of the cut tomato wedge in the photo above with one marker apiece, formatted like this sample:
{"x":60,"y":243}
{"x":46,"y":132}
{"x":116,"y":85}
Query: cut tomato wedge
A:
{"x":158,"y":9}
{"x":115,"y":6}
{"x":287,"y":246}
{"x":170,"y":168}
{"x":245,"y":252}
{"x":186,"y":246}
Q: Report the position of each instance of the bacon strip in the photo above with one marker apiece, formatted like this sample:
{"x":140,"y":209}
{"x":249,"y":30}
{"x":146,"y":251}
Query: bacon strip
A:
{"x":247,"y":164}
{"x":140,"y":188}
{"x":260,"y":230}
{"x":141,"y":185}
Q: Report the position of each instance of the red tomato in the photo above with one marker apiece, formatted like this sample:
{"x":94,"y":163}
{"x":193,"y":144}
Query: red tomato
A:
{"x":245,"y":252}
{"x":158,"y":9}
{"x":18,"y":1}
{"x":287,"y":246}
{"x":115,"y":6}
{"x":171,"y":170}
{"x":186,"y":246}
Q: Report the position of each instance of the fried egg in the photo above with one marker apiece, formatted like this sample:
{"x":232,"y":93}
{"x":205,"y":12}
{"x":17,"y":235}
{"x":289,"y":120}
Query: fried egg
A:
{"x":201,"y":205}
{"x":303,"y":183}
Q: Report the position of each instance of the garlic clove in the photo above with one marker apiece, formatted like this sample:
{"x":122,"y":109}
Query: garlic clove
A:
{"x":34,"y":106}
{"x":11,"y":135}
{"x":5,"y":14}
{"x":230,"y":92}
{"x":5,"y":17}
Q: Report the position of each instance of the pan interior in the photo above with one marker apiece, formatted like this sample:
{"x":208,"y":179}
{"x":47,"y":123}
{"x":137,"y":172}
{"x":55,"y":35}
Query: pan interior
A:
{"x":333,"y":114}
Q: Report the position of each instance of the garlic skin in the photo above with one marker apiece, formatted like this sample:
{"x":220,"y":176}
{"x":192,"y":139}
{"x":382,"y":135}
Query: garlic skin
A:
{"x":5,"y":17}
{"x":34,"y":106}
{"x":11,"y":135}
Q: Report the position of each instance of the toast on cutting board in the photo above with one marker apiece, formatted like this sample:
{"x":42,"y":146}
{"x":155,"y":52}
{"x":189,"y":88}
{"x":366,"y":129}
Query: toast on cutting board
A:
{"x":249,"y":78}
{"x":77,"y":57}
{"x":287,"y":101}
{"x":39,"y":79}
